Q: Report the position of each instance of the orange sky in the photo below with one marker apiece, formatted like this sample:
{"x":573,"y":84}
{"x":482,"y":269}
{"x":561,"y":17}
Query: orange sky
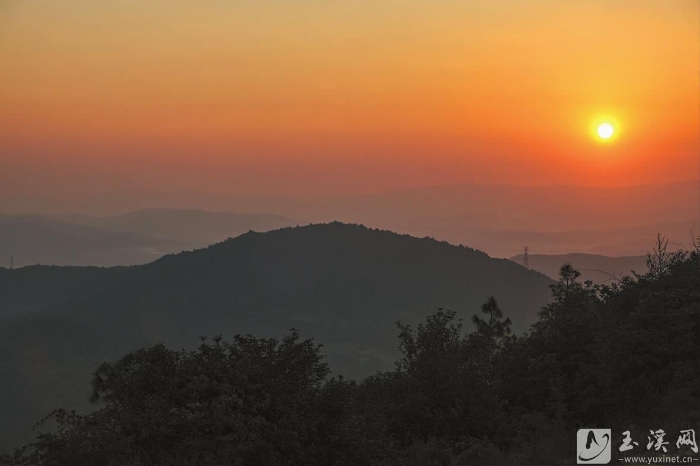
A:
{"x":304,"y":96}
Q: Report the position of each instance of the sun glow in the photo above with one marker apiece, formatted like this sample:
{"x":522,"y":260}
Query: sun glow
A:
{"x":605,"y":130}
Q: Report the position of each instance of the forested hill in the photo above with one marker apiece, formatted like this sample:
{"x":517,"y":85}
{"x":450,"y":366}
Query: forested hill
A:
{"x":50,"y":288}
{"x":623,"y":356}
{"x":344,"y":285}
{"x":312,"y":271}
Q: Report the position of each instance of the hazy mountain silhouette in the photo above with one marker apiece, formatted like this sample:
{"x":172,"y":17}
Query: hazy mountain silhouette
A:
{"x":134,"y":238}
{"x":502,"y":207}
{"x":345,"y":285}
{"x":498,"y":219}
{"x":502,"y":219}
{"x":549,"y":219}
{"x":601,"y":240}
{"x":190,"y":225}
{"x":594,"y":267}
{"x":36,"y":240}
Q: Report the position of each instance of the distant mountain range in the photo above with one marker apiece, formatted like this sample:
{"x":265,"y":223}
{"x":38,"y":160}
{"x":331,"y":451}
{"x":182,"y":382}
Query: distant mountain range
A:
{"x":594,"y":267}
{"x":498,"y":219}
{"x":37,"y":240}
{"x":503,"y":219}
{"x":344,"y":285}
{"x":134,"y":238}
{"x":185,"y":225}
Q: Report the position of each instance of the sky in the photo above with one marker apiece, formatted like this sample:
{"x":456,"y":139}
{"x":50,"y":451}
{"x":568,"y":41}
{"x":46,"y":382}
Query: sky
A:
{"x":310,"y":97}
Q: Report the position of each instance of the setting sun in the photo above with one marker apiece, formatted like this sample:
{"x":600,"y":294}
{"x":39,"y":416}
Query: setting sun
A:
{"x":605,"y":130}
{"x":224,"y":194}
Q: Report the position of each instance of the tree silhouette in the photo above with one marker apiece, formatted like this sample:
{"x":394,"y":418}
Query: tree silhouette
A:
{"x":494,"y":329}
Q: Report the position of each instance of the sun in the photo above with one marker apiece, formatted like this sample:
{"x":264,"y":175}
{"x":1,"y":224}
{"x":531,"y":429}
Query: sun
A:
{"x":606,"y":130}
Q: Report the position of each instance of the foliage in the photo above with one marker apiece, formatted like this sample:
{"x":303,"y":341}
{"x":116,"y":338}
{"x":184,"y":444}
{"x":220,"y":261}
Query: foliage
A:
{"x":345,"y":285}
{"x":251,"y":401}
{"x":623,"y":355}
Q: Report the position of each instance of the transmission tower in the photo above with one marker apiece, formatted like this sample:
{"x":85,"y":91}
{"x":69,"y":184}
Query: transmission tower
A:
{"x":12,"y":262}
{"x":526,"y":259}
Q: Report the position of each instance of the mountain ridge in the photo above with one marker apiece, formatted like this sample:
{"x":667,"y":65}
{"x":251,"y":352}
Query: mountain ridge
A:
{"x":595,"y":267}
{"x":344,"y":285}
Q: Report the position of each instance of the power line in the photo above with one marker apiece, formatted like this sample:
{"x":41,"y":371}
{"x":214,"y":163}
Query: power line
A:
{"x":526,"y":259}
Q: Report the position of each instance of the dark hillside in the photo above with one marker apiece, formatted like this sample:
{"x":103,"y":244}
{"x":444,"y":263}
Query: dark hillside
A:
{"x":344,"y":285}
